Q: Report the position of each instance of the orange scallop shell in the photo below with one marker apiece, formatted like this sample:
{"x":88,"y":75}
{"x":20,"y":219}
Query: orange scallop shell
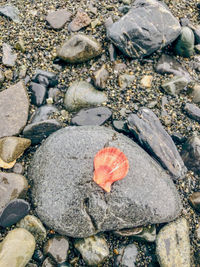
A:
{"x":110,"y":165}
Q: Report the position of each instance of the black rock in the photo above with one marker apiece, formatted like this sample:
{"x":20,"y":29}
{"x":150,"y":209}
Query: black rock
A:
{"x":191,"y":154}
{"x":14,"y":212}
{"x":39,"y":130}
{"x":92,"y":116}
{"x":46,"y":78}
{"x":178,"y":138}
{"x":150,"y":133}
{"x":192,"y":111}
{"x":148,"y":26}
{"x":38,"y":94}
{"x":43,"y":113}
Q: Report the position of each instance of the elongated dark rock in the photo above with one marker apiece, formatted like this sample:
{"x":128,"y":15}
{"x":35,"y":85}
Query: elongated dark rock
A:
{"x":150,"y":133}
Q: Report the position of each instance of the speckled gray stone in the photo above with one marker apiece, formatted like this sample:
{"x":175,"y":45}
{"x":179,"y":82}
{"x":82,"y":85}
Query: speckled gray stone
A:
{"x":71,"y":203}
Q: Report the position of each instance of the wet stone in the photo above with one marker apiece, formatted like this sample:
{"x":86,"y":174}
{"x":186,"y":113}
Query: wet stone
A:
{"x":80,"y":21}
{"x":17,"y":248}
{"x":46,"y":78}
{"x":13,"y":110}
{"x":43,"y":113}
{"x":147,"y":129}
{"x":34,"y":226}
{"x":137,"y":37}
{"x":38,"y":94}
{"x":81,"y":95}
{"x":94,"y":249}
{"x":175,"y":85}
{"x":127,"y":256}
{"x":173,"y":244}
{"x":185,"y":43}
{"x":37,"y":131}
{"x":10,"y":12}
{"x":57,"y":19}
{"x":57,"y":247}
{"x":8,"y":58}
{"x":93,"y":116}
{"x":100,"y":78}
{"x":79,"y":48}
{"x":192,"y":111}
{"x":125,"y":80}
{"x":11,"y":186}
{"x":194,"y":200}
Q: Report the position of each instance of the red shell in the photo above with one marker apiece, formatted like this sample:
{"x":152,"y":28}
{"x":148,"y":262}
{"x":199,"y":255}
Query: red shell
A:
{"x":110,"y":165}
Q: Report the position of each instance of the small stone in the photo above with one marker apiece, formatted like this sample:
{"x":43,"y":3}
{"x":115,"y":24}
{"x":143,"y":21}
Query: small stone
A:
{"x":20,"y":45}
{"x":175,"y":85}
{"x":94,"y":249}
{"x":112,"y":52}
{"x":57,"y":19}
{"x":2,"y":77}
{"x":93,"y":116}
{"x":146,"y":81}
{"x":195,"y":201}
{"x":197,"y":232}
{"x":100,"y":77}
{"x":18,"y":168}
{"x":197,"y":48}
{"x":126,"y":2}
{"x":127,"y":256}
{"x":38,"y":94}
{"x":80,"y":21}
{"x":13,"y":212}
{"x":48,"y":262}
{"x":95,"y":23}
{"x":39,"y":130}
{"x":173,"y":244}
{"x":34,"y":226}
{"x":125,"y":80}
{"x":55,"y":94}
{"x":124,"y":9}
{"x":178,"y":138}
{"x":192,"y":111}
{"x":8,"y":58}
{"x":38,"y":256}
{"x":10,"y":12}
{"x":197,"y":34}
{"x":195,"y":93}
{"x":79,"y":48}
{"x":184,"y":22}
{"x":11,"y":186}
{"x":8,"y":75}
{"x":45,"y":78}
{"x":43,"y":113}
{"x":120,"y":126}
{"x":185,"y":43}
{"x":14,"y":106}
{"x":108,"y":22}
{"x":11,"y":148}
{"x":81,"y":95}
{"x":17,"y":248}
{"x":119,"y":67}
{"x":22,"y":71}
{"x":57,"y":247}
{"x":6,"y":165}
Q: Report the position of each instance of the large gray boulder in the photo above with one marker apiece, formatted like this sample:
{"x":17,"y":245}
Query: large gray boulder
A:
{"x":148,"y":26}
{"x":70,"y":202}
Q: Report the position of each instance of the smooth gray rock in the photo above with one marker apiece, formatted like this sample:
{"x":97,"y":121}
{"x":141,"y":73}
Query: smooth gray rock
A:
{"x":193,"y":111}
{"x":43,"y":113}
{"x":148,"y":26}
{"x":71,"y":203}
{"x":8,"y":58}
{"x":148,"y":130}
{"x":185,"y":43}
{"x":10,"y":12}
{"x":58,"y":18}
{"x":127,"y":256}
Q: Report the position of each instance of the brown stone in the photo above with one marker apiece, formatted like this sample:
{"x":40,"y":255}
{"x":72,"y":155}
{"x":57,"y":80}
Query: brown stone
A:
{"x":80,"y":21}
{"x":100,"y":77}
{"x":195,"y":201}
{"x":58,"y":18}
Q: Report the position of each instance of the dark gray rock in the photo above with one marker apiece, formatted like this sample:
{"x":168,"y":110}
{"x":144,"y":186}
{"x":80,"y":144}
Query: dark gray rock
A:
{"x":127,"y":256}
{"x":148,"y":26}
{"x":92,"y":116}
{"x":120,"y":126}
{"x":71,"y":203}
{"x":37,"y":131}
{"x":43,"y":113}
{"x":8,"y":58}
{"x":192,"y":111}
{"x":46,"y":78}
{"x":178,"y":138}
{"x":148,"y":130}
{"x":14,"y":212}
{"x":58,"y":18}
{"x":185,"y":43}
{"x":10,"y":12}
{"x":38,"y":94}
{"x":191,"y":154}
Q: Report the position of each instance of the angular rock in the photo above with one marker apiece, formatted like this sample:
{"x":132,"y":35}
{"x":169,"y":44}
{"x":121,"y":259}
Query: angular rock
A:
{"x":11,"y":186}
{"x":18,"y":168}
{"x":100,"y":77}
{"x":127,"y":256}
{"x":43,"y":113}
{"x":80,"y":21}
{"x":146,"y":81}
{"x":148,"y":26}
{"x":10,"y":12}
{"x":38,"y":94}
{"x":120,"y":126}
{"x":37,"y":131}
{"x":175,"y":85}
{"x":173,"y":245}
{"x":17,"y":248}
{"x":197,"y":34}
{"x":192,"y":111}
{"x":94,"y":249}
{"x":195,"y":201}
{"x":64,"y":163}
{"x":48,"y":262}
{"x":148,"y":130}
{"x":57,"y":247}
{"x":2,"y":77}
{"x":185,"y":43}
{"x":34,"y":226}
{"x":8,"y":58}
{"x":93,"y":116}
{"x":46,"y":78}
{"x":125,"y":80}
{"x":191,"y":154}
{"x":79,"y":48}
{"x":81,"y":95}
{"x":58,"y":18}
{"x":14,"y":106}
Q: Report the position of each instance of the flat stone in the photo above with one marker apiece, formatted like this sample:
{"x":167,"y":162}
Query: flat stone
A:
{"x":82,"y":95}
{"x":46,"y":78}
{"x":147,"y":129}
{"x":18,"y":168}
{"x":17,"y":248}
{"x":38,"y":94}
{"x":43,"y":113}
{"x":146,"y":81}
{"x":37,"y":131}
{"x":192,"y":111}
{"x":148,"y":26}
{"x":93,"y":116}
{"x":175,"y":85}
{"x":125,"y":80}
{"x":57,"y":247}
{"x":10,"y":12}
{"x":80,"y":21}
{"x":79,"y":48}
{"x":14,"y":106}
{"x":127,"y":256}
{"x":185,"y":43}
{"x":57,"y":19}
{"x":173,"y":245}
{"x":83,"y":209}
{"x":8,"y":58}
{"x":34,"y":226}
{"x":191,"y":154}
{"x":11,"y":186}
{"x":195,"y":201}
{"x":94,"y":249}
{"x":100,"y":77}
